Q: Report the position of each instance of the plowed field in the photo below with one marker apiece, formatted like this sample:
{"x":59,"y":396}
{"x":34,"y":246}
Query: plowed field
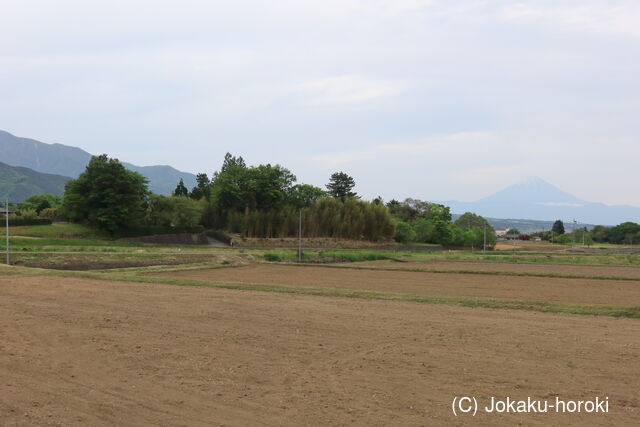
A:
{"x":591,"y":291}
{"x":85,"y":352}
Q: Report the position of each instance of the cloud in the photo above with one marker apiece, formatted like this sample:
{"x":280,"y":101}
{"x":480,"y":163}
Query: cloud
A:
{"x":610,"y":17}
{"x":347,"y":90}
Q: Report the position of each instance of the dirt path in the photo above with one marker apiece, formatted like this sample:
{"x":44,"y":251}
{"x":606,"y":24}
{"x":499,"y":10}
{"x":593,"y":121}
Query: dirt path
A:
{"x":593,"y":291}
{"x":81,"y":352}
{"x":630,"y":272}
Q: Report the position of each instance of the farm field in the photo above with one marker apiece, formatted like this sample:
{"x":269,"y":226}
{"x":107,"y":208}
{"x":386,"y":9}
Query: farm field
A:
{"x":578,"y":270}
{"x":82,"y":351}
{"x":589,"y":291}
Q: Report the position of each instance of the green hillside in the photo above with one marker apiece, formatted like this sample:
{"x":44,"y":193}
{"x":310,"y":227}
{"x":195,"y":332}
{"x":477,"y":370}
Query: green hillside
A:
{"x":18,"y":183}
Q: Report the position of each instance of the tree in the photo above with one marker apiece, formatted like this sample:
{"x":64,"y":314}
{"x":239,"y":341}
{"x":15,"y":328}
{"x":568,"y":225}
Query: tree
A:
{"x":179,"y":212}
{"x":107,"y":196}
{"x":229,"y":186}
{"x":558,"y":227}
{"x":404,"y":232}
{"x":202,"y":188}
{"x":475,"y":227}
{"x":40,"y":202}
{"x":411,"y":210}
{"x":231,"y":161}
{"x":624,"y":233}
{"x":600,"y":233}
{"x":340,"y":186}
{"x":469,"y":221}
{"x":513,"y":231}
{"x":181,"y":190}
{"x":269,"y":186}
{"x":442,"y":232}
{"x":304,"y":195}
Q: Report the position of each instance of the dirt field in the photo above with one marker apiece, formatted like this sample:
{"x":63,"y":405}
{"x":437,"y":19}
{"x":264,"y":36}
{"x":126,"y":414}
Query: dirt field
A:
{"x":592,"y":291}
{"x":83,"y":352}
{"x":631,"y":272}
{"x":524,"y":245}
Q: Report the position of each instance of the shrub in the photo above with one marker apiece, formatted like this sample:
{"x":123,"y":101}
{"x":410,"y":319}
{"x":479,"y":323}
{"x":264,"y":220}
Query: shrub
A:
{"x":272,"y":257}
{"x":404,"y":232}
{"x":18,"y":221}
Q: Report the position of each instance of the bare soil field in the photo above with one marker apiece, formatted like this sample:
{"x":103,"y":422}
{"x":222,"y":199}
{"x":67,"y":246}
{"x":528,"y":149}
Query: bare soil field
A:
{"x":605,"y":271}
{"x":86,"y":352}
{"x":590,"y":291}
{"x":524,"y":245}
{"x":103,"y":261}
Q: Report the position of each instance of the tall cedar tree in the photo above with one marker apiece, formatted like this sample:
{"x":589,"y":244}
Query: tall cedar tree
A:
{"x":181,"y":189}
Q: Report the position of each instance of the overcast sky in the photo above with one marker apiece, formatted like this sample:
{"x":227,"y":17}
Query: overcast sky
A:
{"x":428,"y":99}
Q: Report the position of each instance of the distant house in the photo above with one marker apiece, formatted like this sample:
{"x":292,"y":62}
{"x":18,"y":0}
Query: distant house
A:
{"x":502,"y":232}
{"x":3,"y":212}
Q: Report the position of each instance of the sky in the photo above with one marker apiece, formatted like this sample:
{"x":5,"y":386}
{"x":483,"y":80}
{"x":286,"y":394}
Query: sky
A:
{"x":430,"y":99}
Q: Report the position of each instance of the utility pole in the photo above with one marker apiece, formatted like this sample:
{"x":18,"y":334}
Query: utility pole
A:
{"x":6,"y":216}
{"x":574,"y":232}
{"x":300,"y":237}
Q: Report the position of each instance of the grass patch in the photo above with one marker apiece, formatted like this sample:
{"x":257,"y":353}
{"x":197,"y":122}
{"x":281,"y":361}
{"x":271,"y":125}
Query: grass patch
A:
{"x":358,"y":256}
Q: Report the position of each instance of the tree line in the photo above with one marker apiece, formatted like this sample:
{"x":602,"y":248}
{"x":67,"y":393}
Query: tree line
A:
{"x":254,"y":201}
{"x":624,"y":233}
{"x":266,"y":201}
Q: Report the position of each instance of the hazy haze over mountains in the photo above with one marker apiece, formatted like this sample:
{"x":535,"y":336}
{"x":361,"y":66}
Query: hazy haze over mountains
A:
{"x":69,"y":161}
{"x":535,"y":198}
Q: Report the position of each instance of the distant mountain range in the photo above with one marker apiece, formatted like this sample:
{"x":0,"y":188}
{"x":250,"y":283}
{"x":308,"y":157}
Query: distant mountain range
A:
{"x":18,"y":183}
{"x":536,"y":199}
{"x":70,"y":162}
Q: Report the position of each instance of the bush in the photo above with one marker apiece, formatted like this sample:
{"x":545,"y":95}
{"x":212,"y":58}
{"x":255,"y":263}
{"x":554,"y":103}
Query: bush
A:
{"x":158,"y":229}
{"x":19,"y":221}
{"x":404,"y":232}
{"x":50,"y":213}
{"x":28,"y":214}
{"x":272,"y":257}
{"x":174,"y":212}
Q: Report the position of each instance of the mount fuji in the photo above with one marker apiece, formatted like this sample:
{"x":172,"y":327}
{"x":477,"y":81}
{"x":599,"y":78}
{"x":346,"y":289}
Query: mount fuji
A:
{"x":536,"y":199}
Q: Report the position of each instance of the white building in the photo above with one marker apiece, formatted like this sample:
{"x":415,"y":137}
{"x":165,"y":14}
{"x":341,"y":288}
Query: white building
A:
{"x":501,"y":232}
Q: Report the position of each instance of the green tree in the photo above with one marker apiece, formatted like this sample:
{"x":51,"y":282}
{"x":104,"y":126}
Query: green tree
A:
{"x":442,"y":232}
{"x":341,"y":185}
{"x":404,"y":232}
{"x":39,"y":202}
{"x":174,"y":212}
{"x":475,"y":228}
{"x":230,"y":185}
{"x":304,"y":195}
{"x":269,"y":186}
{"x":232,"y":161}
{"x":600,"y":233}
{"x":624,"y":233}
{"x":181,"y":190}
{"x":202,"y":188}
{"x":469,"y":221}
{"x":513,"y":231}
{"x":558,"y":227}
{"x":107,"y":196}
